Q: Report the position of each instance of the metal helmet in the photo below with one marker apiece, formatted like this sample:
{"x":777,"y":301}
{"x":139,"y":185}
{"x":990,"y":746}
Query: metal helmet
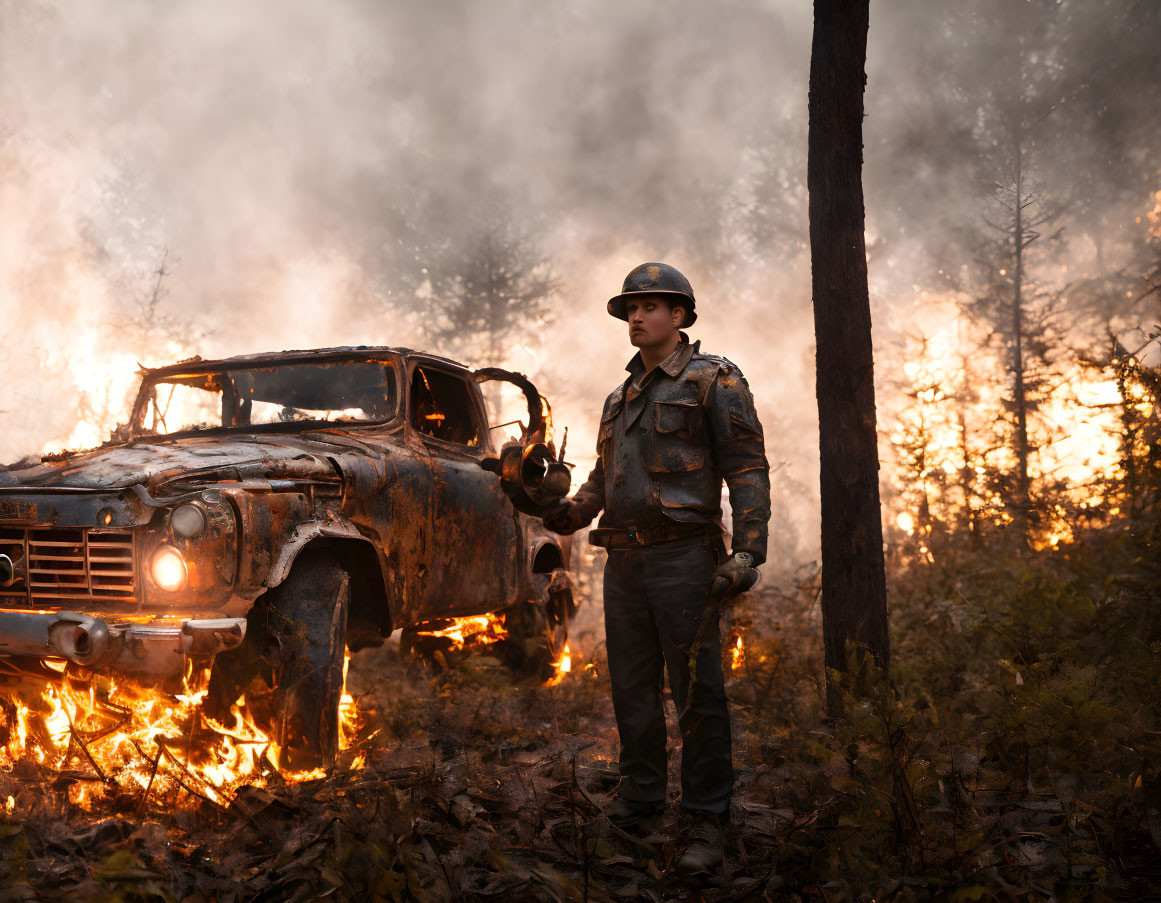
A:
{"x":655,"y":279}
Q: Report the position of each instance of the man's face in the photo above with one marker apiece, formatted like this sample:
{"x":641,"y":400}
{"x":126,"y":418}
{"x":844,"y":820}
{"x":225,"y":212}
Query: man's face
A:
{"x":652,"y":321}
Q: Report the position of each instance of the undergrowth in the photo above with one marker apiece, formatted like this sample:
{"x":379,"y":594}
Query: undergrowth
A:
{"x":1014,"y":749}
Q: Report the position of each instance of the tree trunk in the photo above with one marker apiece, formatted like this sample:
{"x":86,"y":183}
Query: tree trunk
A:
{"x":854,"y":594}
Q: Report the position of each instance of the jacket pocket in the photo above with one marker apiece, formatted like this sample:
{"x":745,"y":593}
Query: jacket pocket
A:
{"x":675,"y":417}
{"x":676,"y":444}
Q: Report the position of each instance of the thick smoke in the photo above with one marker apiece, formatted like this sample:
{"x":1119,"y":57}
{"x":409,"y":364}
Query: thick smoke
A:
{"x":300,"y":168}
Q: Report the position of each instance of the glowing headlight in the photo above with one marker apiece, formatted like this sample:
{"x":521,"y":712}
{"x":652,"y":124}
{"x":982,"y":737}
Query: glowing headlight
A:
{"x":187,"y":521}
{"x":168,"y":568}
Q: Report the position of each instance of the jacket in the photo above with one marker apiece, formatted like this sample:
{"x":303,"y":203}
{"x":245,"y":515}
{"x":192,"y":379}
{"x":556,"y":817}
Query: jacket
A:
{"x":667,"y":440}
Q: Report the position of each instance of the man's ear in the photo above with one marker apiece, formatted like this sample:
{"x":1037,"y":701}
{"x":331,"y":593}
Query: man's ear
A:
{"x":679,"y":315}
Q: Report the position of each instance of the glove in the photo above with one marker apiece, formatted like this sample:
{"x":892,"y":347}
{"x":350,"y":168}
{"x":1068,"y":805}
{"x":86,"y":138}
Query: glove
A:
{"x":560,"y":519}
{"x":733,"y":576}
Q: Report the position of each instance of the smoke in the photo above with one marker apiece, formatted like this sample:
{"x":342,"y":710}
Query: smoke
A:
{"x":299,"y":162}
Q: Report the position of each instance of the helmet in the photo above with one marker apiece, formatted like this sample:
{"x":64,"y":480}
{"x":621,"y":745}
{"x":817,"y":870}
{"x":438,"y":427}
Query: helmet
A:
{"x":655,"y":279}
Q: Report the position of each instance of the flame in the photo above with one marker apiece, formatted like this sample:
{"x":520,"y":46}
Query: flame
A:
{"x":483,"y":630}
{"x":130,"y":739}
{"x":737,"y":652}
{"x":96,"y":366}
{"x":351,"y":720}
{"x":561,"y":667}
{"x":478,"y":630}
{"x":945,"y":438}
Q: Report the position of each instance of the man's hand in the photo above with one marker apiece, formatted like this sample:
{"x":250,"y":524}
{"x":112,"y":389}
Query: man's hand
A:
{"x":559,"y":520}
{"x":733,"y":576}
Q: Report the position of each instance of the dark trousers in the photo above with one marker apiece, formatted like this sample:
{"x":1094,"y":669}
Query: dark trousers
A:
{"x":654,"y":598}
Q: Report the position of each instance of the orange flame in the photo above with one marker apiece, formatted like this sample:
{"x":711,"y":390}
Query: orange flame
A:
{"x":478,"y":630}
{"x":126,"y":738}
{"x":561,"y":667}
{"x":351,"y":719}
{"x":737,"y":652}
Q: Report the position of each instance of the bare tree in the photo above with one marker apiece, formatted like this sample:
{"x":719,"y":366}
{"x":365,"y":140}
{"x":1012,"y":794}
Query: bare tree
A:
{"x":854,"y":594}
{"x":147,"y":325}
{"x":493,"y":287}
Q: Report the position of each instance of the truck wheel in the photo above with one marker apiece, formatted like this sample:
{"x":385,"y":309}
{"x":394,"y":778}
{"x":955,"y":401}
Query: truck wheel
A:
{"x":290,"y":666}
{"x":537,"y":634}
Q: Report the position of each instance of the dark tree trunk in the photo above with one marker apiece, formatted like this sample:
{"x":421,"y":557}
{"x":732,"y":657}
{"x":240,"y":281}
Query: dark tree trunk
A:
{"x":854,"y":593}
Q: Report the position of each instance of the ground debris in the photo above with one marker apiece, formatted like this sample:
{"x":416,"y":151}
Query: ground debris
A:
{"x":475,"y":788}
{"x":469,"y":786}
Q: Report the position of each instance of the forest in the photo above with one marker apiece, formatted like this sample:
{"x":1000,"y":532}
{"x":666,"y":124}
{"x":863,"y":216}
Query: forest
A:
{"x":185,"y":184}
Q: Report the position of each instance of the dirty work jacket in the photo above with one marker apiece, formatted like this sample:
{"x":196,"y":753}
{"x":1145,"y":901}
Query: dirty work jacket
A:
{"x":664,"y":450}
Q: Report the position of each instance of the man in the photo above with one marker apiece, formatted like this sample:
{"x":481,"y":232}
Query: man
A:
{"x":678,"y":425}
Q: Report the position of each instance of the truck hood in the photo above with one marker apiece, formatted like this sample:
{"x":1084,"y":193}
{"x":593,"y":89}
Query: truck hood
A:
{"x":151,"y":463}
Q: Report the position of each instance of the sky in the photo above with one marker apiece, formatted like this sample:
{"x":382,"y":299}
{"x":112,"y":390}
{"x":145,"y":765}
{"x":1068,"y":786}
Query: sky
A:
{"x":299,"y":167}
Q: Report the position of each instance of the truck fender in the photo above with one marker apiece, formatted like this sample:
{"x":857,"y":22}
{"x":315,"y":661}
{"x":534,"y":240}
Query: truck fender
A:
{"x":371,"y":597}
{"x":304,"y":534}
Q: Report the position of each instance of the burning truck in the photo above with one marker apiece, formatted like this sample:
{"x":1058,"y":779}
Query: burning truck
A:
{"x":258,"y":516}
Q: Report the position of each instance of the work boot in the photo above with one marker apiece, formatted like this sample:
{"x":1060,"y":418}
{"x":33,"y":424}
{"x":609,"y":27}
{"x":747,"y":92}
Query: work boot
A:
{"x":705,"y":846}
{"x":628,"y":813}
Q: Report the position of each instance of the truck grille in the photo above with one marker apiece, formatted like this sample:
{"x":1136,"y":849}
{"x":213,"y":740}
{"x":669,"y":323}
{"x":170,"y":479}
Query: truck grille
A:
{"x":60,"y":567}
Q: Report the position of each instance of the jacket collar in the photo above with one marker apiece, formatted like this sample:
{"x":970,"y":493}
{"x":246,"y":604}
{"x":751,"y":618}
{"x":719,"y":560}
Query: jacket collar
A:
{"x":672,"y":365}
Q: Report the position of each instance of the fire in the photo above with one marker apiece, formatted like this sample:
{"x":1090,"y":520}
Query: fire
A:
{"x":561,"y":667}
{"x":484,"y":630}
{"x":737,"y":652}
{"x":116,"y":738}
{"x":351,"y":719}
{"x":946,"y":442}
{"x":478,"y":630}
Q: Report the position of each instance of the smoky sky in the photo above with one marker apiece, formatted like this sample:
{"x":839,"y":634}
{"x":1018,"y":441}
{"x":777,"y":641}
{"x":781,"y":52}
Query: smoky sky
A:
{"x":302,"y":165}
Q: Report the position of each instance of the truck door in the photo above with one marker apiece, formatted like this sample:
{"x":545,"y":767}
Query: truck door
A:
{"x":475,"y":534}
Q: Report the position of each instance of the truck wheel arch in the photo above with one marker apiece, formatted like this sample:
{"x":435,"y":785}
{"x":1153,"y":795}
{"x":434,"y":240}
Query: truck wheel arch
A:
{"x":547,"y":556}
{"x":372,"y":610}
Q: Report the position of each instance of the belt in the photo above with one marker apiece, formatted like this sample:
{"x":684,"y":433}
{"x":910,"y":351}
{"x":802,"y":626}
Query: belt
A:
{"x":620,"y":539}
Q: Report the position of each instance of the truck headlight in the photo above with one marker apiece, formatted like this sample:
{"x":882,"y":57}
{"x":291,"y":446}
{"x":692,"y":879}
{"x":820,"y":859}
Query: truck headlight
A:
{"x":168,"y":569}
{"x":187,"y":521}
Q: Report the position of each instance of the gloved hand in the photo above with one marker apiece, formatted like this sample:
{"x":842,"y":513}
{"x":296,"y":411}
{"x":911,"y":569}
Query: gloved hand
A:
{"x":559,"y":520}
{"x":733,"y":576}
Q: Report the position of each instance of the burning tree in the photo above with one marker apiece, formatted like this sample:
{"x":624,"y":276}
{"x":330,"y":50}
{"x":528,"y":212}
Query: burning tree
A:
{"x":1021,"y":313}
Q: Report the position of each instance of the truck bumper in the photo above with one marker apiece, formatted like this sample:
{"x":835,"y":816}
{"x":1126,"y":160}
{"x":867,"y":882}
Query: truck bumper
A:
{"x":156,"y":649}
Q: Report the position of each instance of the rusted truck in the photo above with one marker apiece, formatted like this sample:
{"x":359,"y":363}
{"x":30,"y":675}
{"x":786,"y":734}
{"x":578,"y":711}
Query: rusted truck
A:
{"x":266,"y":512}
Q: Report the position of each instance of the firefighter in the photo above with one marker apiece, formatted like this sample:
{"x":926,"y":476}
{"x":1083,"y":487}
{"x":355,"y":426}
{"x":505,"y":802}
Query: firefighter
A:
{"x":680,"y":422}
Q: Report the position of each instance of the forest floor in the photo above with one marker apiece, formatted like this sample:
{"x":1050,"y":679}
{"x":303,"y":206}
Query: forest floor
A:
{"x":474,"y":787}
{"x":478,"y":787}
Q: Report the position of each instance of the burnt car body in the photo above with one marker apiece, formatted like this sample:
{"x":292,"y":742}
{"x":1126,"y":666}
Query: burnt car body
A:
{"x":230,"y":476}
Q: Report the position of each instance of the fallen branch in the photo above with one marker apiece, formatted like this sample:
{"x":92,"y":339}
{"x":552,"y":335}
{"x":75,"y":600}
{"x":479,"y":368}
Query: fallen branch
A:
{"x":636,"y":841}
{"x":149,"y":786}
{"x":85,"y":749}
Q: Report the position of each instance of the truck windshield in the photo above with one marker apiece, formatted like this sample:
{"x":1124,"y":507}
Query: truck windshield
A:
{"x":339,"y":392}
